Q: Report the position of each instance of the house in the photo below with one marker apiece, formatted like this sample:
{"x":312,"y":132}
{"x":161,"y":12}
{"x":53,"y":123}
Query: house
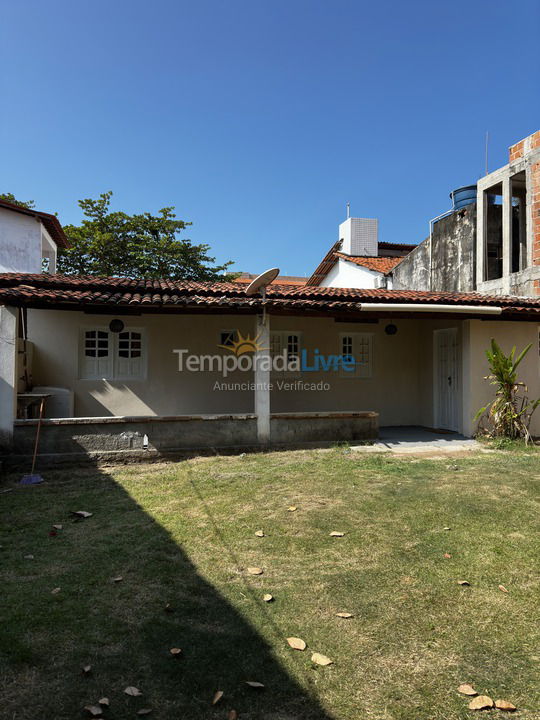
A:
{"x":245,"y":279}
{"x":29,"y":239}
{"x":489,"y":241}
{"x":132,"y":367}
{"x":358,"y":259}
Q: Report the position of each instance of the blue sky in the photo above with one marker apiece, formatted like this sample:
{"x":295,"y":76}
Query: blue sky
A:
{"x":260,"y":120}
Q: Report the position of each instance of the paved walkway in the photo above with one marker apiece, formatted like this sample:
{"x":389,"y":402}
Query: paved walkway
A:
{"x":412,"y":439}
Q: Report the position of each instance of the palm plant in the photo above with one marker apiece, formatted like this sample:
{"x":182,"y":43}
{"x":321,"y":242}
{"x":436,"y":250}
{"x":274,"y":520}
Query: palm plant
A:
{"x":509,"y":413}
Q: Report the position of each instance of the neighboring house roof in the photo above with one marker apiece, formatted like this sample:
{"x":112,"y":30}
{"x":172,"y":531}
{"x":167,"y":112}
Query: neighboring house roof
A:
{"x":93,"y":293}
{"x":397,"y":246}
{"x":246,"y":278}
{"x":51,"y":222}
{"x":378,"y":264}
{"x":383,"y":265}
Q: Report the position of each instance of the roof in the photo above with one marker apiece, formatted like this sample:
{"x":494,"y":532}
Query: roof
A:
{"x":246,"y":278}
{"x":94,"y":293}
{"x":383,"y":265}
{"x":51,"y":222}
{"x":397,"y":246}
{"x":378,"y":264}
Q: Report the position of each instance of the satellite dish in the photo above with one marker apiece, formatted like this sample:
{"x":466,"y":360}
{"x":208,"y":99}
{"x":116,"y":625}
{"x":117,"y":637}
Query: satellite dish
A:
{"x":262,"y":281}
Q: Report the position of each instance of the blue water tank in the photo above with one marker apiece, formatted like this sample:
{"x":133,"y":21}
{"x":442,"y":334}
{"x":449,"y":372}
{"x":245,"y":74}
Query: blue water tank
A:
{"x":463,"y":196}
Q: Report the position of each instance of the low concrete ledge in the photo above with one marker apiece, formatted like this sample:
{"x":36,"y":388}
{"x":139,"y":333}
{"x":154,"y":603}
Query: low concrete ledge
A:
{"x":124,"y":439}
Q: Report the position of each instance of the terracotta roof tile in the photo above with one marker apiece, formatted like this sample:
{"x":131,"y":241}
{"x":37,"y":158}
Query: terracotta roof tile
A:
{"x":378,"y":264}
{"x":81,"y":292}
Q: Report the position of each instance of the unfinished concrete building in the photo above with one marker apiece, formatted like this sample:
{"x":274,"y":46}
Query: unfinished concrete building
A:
{"x":490,"y":241}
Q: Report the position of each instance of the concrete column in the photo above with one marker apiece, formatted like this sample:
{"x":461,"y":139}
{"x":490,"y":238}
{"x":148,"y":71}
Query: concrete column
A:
{"x":467,"y":412}
{"x":481,"y":217}
{"x":262,"y":379}
{"x":8,"y":373}
{"x":506,"y":232}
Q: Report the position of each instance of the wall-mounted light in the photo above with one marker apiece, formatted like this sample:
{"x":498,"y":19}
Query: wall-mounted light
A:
{"x":116,"y":325}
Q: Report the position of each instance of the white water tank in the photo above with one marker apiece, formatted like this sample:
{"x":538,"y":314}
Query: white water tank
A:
{"x":359,"y":236}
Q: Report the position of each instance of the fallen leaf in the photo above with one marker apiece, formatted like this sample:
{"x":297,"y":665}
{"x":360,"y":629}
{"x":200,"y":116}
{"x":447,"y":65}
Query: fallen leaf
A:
{"x":104,"y":701}
{"x":463,"y":582}
{"x":296,"y":643}
{"x":133,"y":691}
{"x":55,"y":591}
{"x":86,"y":669}
{"x":94,"y":710}
{"x":292,"y":508}
{"x":466,"y":689}
{"x":505,"y":705}
{"x":344,"y":615}
{"x":57,"y":527}
{"x":117,"y":579}
{"x":217,"y":697}
{"x":232,"y":715}
{"x":268,"y":597}
{"x":255,"y":570}
{"x":321,"y":659}
{"x":144,"y":711}
{"x":175,"y":651}
{"x":447,"y":556}
{"x":259,"y":533}
{"x":254,"y":684}
{"x":81,"y":513}
{"x":481,"y":703}
{"x":502,"y":588}
{"x":337,"y":533}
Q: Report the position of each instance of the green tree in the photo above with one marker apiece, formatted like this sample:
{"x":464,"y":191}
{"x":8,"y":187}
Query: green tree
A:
{"x":142,"y":246}
{"x":10,"y":197}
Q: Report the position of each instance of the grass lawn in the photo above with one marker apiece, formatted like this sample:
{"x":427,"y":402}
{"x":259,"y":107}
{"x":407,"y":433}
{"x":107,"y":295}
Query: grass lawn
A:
{"x":183,"y":534}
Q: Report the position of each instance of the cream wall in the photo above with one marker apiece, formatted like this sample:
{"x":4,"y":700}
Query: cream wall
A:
{"x":398,"y":389}
{"x":401,"y":389}
{"x":478,"y":392}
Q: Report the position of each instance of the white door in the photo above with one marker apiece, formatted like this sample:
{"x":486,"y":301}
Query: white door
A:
{"x":446,"y":379}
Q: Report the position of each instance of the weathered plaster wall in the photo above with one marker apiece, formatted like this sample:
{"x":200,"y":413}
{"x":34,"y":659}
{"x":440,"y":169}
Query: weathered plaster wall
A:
{"x":20,"y":242}
{"x":451,"y":262}
{"x":412,"y":273}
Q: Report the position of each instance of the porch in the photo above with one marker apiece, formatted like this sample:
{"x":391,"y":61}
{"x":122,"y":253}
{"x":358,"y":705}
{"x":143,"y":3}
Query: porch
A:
{"x":142,"y":378}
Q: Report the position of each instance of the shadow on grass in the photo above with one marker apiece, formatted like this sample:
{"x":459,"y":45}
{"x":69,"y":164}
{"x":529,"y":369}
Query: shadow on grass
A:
{"x":123,"y":629}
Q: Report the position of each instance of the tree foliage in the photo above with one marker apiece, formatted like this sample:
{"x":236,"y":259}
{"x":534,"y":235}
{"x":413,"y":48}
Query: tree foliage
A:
{"x":509,"y":414}
{"x":10,"y":197}
{"x":142,"y":246}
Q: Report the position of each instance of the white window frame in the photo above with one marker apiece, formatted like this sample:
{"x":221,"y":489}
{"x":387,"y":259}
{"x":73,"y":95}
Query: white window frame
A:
{"x":283,"y":342}
{"x":361,"y":371}
{"x":113,"y":362}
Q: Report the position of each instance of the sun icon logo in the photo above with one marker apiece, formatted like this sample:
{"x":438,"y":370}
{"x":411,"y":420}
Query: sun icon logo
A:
{"x":243,"y":345}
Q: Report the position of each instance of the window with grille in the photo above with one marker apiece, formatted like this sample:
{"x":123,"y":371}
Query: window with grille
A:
{"x":357,"y":347}
{"x":111,"y":356}
{"x":227,"y":338}
{"x":288,"y":341}
{"x":293,"y":346}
